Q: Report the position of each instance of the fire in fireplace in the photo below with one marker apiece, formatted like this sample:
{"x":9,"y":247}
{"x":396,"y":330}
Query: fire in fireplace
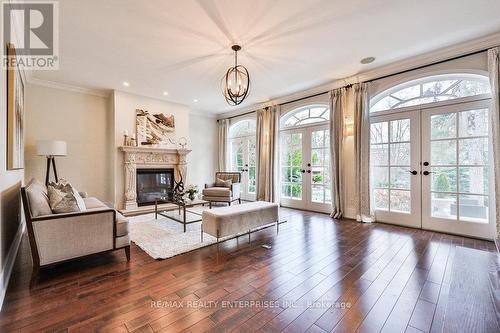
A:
{"x":153,"y":184}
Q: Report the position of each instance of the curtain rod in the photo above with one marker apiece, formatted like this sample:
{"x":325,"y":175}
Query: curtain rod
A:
{"x":378,"y":78}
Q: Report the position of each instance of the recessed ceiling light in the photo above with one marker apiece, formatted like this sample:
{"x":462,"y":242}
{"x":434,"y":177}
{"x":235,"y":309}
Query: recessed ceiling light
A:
{"x":367,"y":60}
{"x":165,"y":93}
{"x":126,"y":84}
{"x":195,"y":100}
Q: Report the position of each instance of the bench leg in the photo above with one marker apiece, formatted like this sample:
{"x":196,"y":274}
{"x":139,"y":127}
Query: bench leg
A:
{"x":201,"y":234}
{"x":249,"y":235}
{"x":277,"y":226}
{"x":127,"y":252}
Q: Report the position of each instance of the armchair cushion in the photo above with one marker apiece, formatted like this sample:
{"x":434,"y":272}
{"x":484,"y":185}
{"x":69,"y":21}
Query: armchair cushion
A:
{"x":121,"y":225}
{"x":217,"y":192}
{"x":38,"y":198}
{"x":223,"y":182}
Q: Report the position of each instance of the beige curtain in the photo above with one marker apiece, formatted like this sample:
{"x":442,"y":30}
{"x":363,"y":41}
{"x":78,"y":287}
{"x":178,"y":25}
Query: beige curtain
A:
{"x":362,"y":152}
{"x":266,"y":153}
{"x":223,"y":143}
{"x":494,"y":70}
{"x":338,"y":101}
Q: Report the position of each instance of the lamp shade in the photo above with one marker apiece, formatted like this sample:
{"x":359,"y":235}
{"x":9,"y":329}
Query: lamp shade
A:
{"x":51,"y":148}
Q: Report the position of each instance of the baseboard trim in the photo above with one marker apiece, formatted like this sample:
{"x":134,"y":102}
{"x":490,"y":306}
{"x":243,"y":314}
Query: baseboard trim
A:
{"x":9,"y":262}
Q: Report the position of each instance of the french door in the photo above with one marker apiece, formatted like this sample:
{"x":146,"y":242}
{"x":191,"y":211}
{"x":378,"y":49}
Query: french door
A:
{"x":305,"y":168}
{"x":430,"y":169}
{"x":243,"y":160}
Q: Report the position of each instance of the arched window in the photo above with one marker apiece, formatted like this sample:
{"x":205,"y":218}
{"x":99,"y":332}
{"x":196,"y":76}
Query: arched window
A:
{"x":243,"y":128}
{"x":430,"y":89}
{"x":305,"y":115}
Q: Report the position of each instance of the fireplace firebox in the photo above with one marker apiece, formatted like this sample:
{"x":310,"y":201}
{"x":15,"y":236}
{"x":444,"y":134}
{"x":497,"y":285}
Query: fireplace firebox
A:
{"x":153,"y":184}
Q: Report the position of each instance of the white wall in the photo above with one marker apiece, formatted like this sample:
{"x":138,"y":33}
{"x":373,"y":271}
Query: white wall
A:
{"x":125,"y":106}
{"x":202,"y":161}
{"x":80,"y":119}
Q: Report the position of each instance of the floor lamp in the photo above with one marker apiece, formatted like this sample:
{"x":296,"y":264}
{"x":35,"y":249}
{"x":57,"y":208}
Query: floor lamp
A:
{"x":50,"y":149}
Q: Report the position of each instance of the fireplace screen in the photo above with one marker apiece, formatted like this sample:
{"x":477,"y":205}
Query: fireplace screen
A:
{"x":153,"y":184}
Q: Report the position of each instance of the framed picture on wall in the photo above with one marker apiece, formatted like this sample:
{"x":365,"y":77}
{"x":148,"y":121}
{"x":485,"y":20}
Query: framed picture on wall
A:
{"x":15,"y":113}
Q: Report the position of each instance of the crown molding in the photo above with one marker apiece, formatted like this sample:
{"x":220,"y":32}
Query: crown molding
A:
{"x":203,"y":114}
{"x":424,"y":59}
{"x":68,"y":87}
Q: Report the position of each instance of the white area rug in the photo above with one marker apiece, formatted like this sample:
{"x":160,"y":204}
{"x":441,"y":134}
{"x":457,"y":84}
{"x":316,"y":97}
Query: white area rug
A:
{"x":164,"y":238}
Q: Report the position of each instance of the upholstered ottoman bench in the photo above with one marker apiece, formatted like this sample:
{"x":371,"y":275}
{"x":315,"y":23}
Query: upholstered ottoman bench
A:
{"x":234,"y":220}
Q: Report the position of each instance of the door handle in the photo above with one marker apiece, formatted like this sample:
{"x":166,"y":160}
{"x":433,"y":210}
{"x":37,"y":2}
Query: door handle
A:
{"x":308,"y":164}
{"x":414,"y":172}
{"x":426,"y":173}
{"x":308,"y":171}
{"x":303,"y":171}
{"x":426,"y":163}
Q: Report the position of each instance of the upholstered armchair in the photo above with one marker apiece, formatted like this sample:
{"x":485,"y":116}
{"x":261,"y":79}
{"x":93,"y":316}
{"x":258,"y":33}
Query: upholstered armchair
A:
{"x":227,"y":191}
{"x":56,"y":238}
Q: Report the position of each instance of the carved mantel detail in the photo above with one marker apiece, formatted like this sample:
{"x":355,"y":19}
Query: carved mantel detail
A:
{"x":143,"y":158}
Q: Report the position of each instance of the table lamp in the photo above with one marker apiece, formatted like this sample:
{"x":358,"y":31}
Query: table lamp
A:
{"x":50,"y":149}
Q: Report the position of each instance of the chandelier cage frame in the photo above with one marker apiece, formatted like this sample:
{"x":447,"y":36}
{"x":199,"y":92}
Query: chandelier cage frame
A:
{"x":241,"y":77}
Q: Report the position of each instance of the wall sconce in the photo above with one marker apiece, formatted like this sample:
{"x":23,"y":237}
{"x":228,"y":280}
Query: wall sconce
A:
{"x":348,"y":129}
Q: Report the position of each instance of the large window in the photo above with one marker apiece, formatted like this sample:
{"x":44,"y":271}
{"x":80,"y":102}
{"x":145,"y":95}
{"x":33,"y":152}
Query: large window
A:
{"x":242,"y":136}
{"x":306,"y":115}
{"x":429,"y":90}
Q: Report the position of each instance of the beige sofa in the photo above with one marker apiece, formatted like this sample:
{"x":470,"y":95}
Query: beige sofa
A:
{"x":56,"y":238}
{"x":227,"y":194}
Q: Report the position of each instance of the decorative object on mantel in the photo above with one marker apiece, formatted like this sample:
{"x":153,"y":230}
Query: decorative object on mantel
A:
{"x":236,"y":82}
{"x":153,"y":129}
{"x":50,"y":149}
{"x":191,"y":191}
{"x":182,"y":142}
{"x":15,"y":112}
{"x":129,"y":141}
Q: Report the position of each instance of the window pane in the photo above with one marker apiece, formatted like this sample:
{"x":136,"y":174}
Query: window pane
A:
{"x":381,"y":199}
{"x":379,"y":154}
{"x":444,"y":179}
{"x":400,"y":201}
{"x":379,"y":132}
{"x":443,"y":152}
{"x":473,"y":151}
{"x":317,"y":139}
{"x":318,"y":112}
{"x":286,"y":175}
{"x":317,"y":194}
{"x":473,"y":123}
{"x":380,"y":177}
{"x":444,"y":205}
{"x":305,"y":115}
{"x":243,"y":128}
{"x":317,"y":157}
{"x":407,"y":93}
{"x":444,"y":126}
{"x":400,"y":153}
{"x":473,"y":208}
{"x":474,"y":180}
{"x":317,"y":176}
{"x":296,"y":191}
{"x":400,"y":130}
{"x":400,"y":178}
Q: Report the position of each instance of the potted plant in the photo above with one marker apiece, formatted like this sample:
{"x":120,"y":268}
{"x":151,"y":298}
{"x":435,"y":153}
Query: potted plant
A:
{"x":191,"y":190}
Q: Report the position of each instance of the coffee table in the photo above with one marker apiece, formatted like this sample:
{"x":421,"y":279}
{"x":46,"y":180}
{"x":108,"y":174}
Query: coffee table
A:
{"x":184,"y":217}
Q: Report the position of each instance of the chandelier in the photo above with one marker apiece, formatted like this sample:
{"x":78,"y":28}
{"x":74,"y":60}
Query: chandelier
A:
{"x":236,"y":82}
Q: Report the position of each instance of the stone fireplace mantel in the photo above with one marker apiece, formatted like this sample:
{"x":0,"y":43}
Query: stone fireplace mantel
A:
{"x":144,"y":158}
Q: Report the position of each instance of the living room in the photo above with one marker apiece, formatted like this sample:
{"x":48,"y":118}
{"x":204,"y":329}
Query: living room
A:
{"x":276,"y":166}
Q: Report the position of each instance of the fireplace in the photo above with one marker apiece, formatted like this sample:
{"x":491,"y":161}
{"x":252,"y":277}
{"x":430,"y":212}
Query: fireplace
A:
{"x":153,"y":184}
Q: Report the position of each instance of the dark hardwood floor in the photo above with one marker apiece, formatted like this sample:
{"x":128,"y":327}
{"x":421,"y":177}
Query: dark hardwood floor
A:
{"x":319,"y":275}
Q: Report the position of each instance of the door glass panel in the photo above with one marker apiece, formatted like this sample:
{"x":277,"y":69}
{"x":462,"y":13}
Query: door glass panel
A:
{"x":291,"y":165}
{"x":390,"y":165}
{"x":444,"y":152}
{"x":251,"y":166}
{"x":320,"y":169}
{"x":466,"y":177}
{"x":473,"y":208}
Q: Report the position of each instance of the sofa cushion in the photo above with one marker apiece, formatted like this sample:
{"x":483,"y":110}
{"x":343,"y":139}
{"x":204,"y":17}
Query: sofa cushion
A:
{"x":121,"y":225}
{"x":217,"y":192}
{"x":38,"y":198}
{"x":93,"y":203}
{"x":64,"y":198}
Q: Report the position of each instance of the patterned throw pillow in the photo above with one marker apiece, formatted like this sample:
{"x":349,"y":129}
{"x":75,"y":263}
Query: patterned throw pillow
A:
{"x":223,"y":183}
{"x":64,"y":198}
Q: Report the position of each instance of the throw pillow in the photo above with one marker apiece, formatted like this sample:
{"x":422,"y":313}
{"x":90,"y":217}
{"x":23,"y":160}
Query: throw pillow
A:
{"x":64,"y":198}
{"x":223,"y":183}
{"x":38,"y":198}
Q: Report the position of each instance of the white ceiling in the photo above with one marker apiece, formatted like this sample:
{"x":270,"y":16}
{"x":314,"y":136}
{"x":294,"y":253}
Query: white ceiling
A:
{"x":183,"y":47}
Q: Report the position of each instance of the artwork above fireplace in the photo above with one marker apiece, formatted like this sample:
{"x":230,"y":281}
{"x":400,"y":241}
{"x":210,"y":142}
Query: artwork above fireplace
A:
{"x":153,"y":184}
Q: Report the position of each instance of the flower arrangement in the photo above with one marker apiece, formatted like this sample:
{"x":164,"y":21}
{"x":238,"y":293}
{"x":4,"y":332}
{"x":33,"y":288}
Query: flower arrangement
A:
{"x":191,"y":190}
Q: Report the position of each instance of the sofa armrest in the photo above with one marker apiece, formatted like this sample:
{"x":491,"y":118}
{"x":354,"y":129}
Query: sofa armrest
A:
{"x":208,"y":185}
{"x":236,"y":190}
